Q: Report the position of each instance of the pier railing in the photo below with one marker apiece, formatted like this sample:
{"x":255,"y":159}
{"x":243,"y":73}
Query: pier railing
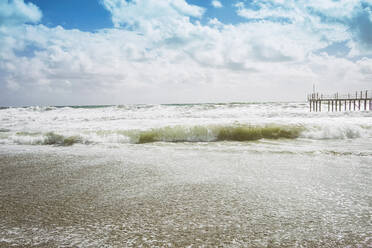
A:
{"x":360,"y":100}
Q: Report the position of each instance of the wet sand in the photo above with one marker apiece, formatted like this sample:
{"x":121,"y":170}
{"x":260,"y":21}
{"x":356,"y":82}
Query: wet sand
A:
{"x":65,"y":199}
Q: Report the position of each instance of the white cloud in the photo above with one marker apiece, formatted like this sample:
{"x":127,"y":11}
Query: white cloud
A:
{"x":303,"y":8}
{"x":140,"y":12}
{"x":216,"y":4}
{"x":15,"y":12}
{"x":337,"y":21}
{"x":156,"y":54}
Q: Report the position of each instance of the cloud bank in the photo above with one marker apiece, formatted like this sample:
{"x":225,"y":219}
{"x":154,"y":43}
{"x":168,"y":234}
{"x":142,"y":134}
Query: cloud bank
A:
{"x":160,"y":51}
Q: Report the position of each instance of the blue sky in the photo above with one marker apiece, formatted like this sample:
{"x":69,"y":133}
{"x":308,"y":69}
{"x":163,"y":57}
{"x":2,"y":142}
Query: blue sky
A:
{"x":90,"y":15}
{"x":85,"y":15}
{"x":173,"y":51}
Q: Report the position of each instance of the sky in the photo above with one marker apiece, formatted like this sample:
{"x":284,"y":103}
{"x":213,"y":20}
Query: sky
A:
{"x":83,"y":52}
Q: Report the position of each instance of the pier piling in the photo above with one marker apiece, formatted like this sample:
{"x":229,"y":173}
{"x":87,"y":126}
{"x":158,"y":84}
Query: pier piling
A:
{"x":335,"y":102}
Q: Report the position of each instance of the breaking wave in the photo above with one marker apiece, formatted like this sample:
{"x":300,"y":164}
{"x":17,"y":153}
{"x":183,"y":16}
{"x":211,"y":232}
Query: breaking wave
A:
{"x":56,"y":139}
{"x":182,"y":133}
{"x":172,"y":134}
{"x":50,"y":138}
{"x":214,"y":133}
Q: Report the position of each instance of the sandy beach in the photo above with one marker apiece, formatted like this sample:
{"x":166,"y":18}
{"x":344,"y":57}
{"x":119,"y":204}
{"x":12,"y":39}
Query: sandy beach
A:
{"x":78,"y":197}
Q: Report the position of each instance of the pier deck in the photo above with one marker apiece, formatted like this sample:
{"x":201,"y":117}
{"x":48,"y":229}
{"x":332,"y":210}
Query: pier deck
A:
{"x":360,"y":101}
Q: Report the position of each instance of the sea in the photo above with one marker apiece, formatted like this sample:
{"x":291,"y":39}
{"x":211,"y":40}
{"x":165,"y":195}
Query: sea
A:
{"x":268,"y":174}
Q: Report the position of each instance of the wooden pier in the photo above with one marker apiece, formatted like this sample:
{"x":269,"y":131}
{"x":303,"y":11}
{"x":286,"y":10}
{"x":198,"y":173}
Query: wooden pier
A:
{"x":360,"y":101}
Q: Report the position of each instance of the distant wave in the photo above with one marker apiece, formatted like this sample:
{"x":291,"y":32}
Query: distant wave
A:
{"x":38,"y":108}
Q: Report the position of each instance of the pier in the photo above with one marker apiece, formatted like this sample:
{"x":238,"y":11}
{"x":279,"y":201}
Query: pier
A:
{"x":358,"y":101}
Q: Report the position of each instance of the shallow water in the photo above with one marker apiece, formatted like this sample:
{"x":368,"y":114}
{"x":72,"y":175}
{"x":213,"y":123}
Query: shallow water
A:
{"x":185,"y":186}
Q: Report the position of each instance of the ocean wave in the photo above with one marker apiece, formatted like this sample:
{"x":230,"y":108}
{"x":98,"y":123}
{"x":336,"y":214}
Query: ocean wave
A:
{"x":323,"y":132}
{"x":237,"y":132}
{"x":173,"y":134}
{"x":214,"y":133}
{"x":56,"y":139}
{"x":40,"y":108}
{"x":49,"y":138}
{"x":209,"y":133}
{"x":196,"y":133}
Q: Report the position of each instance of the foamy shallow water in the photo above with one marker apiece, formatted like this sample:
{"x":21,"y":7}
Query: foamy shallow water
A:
{"x":233,"y":175}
